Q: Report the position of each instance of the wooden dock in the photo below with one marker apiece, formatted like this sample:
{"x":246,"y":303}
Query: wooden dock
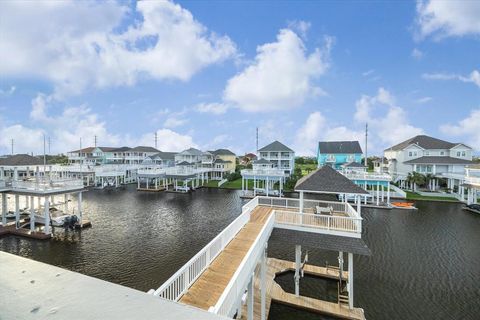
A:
{"x":23,"y":232}
{"x":277,"y":294}
{"x":151,"y":189}
{"x":208,"y":288}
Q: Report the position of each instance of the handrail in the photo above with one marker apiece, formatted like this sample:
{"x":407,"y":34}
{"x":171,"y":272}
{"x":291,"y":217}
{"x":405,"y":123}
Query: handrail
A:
{"x":179,"y":282}
{"x":327,"y":222}
{"x":237,"y":283}
{"x":259,"y":172}
{"x":367,"y":175}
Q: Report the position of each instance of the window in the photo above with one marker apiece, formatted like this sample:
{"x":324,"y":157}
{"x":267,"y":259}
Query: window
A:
{"x":463,"y":153}
{"x":442,"y":153}
{"x":410,"y":153}
{"x":458,"y":153}
{"x":415,"y":153}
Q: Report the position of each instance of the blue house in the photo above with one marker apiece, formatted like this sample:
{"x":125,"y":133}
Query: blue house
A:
{"x":338,"y":153}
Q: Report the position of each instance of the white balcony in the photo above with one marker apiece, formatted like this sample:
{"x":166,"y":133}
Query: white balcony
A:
{"x":47,"y":186}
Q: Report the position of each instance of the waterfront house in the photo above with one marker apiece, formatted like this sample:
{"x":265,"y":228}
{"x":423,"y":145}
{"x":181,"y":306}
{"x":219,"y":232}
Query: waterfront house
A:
{"x":163,"y":159}
{"x":338,"y":153}
{"x":110,"y":155}
{"x":247,"y":159}
{"x":19,"y":166}
{"x":427,"y":155}
{"x":280,"y":155}
{"x":224,"y":163}
{"x":191,"y":155}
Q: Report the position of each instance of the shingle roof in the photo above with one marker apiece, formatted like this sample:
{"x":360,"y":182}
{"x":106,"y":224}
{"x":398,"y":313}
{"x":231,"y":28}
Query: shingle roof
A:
{"x":84,"y":150}
{"x":122,"y":149}
{"x":223,"y":152}
{"x":261,"y":161}
{"x":107,"y":149}
{"x":424,"y":142}
{"x":20,"y":160}
{"x":438,"y":159}
{"x":192,"y":151}
{"x":164,"y":155}
{"x":144,"y":149}
{"x":353,"y":165}
{"x":328,"y":180}
{"x":310,"y":240}
{"x":184,"y":163}
{"x":276,"y":146}
{"x":474,"y":166}
{"x":347,"y":147}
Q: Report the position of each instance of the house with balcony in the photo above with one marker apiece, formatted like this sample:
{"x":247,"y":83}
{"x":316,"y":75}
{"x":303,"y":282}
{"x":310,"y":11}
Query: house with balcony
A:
{"x":281,"y":156}
{"x":427,"y":155}
{"x":193,"y":156}
{"x":224,"y":162}
{"x":338,"y":154}
{"x":163,"y":159}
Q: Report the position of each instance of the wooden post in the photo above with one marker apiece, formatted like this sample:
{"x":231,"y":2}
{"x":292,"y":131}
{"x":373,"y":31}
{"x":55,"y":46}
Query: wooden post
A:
{"x":250,"y":301}
{"x":46,"y":229}
{"x":32,"y":214}
{"x":4,"y":209}
{"x":80,"y":213}
{"x":17,"y":210}
{"x":350,"y":280}
{"x":298,"y":257}
{"x":263,"y":286}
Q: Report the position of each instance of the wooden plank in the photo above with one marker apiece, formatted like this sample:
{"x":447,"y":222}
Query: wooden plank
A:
{"x":208,"y":288}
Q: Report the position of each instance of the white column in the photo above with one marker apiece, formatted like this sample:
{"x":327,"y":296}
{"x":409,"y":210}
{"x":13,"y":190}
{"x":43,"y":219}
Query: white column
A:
{"x":80,"y":213}
{"x":359,"y":205}
{"x":301,"y":201}
{"x":298,"y":257}
{"x":17,"y":210}
{"x":4,"y":209}
{"x":32,"y":214}
{"x":378,"y":193}
{"x":383,"y":193}
{"x":47,"y":216}
{"x":267,"y":187}
{"x":250,"y":301}
{"x":350,"y":280}
{"x":388,"y":193}
{"x":263,"y":285}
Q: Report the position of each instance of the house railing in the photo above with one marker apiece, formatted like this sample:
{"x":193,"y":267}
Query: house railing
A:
{"x":44,"y":185}
{"x":327,"y":222}
{"x":262,"y":172}
{"x":472,"y":180}
{"x":367,"y":176}
{"x":178,"y":284}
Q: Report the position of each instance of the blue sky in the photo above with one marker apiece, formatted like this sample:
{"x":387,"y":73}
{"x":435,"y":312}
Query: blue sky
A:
{"x":206,"y":74}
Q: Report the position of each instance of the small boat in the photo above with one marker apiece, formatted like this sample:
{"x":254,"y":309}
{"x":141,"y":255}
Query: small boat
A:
{"x":473,"y":208}
{"x":403,"y":205}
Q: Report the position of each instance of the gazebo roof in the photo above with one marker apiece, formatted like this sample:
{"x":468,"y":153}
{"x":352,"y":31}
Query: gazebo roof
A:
{"x":327,"y":180}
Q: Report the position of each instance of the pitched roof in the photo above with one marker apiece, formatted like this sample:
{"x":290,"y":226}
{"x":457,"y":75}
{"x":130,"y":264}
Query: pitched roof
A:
{"x":328,"y":180}
{"x":20,"y":160}
{"x":261,"y":161}
{"x":192,"y":151}
{"x":353,"y":165}
{"x":122,"y":149}
{"x":107,"y":149}
{"x":84,"y":150}
{"x":276,"y":146}
{"x":164,"y":155}
{"x":144,"y":149}
{"x":347,"y":147}
{"x":222,"y":152}
{"x":438,"y":160}
{"x":184,"y":163}
{"x":424,"y":142}
{"x":251,"y":156}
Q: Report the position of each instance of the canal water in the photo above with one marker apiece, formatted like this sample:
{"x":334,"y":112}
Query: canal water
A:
{"x":425,"y":263}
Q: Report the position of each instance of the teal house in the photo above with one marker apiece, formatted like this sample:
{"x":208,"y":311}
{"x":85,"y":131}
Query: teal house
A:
{"x":338,"y":154}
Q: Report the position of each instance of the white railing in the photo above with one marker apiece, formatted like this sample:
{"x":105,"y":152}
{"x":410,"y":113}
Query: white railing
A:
{"x":367,"y":176}
{"x":151,"y":171}
{"x":236,"y":287}
{"x":263,"y":172}
{"x":327,"y":222}
{"x":179,"y":283}
{"x":43,"y":185}
{"x":472,"y":180}
{"x":222,"y":182}
{"x":341,"y":207}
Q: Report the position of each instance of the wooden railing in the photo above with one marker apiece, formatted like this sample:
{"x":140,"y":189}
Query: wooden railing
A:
{"x":326,"y":222}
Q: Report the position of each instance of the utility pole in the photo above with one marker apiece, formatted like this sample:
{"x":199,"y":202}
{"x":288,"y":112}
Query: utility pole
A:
{"x":95,"y":141}
{"x":49,"y":145}
{"x":44,"y":156}
{"x":12,"y":146}
{"x":156,"y":139}
{"x":366,"y":145}
{"x":257,"y":142}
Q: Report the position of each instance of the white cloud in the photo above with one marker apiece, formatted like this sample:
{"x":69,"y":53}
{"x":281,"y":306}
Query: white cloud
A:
{"x":468,"y":128}
{"x":388,"y":122}
{"x":174,"y":121}
{"x":417,"y":54}
{"x":281,"y":77}
{"x":74,"y":44}
{"x":473,"y":77}
{"x":367,"y":73}
{"x":168,"y":140}
{"x":7,"y":92}
{"x":26,"y":140}
{"x":447,"y":18}
{"x":215,"y":108}
{"x":301,"y":27}
{"x":317,"y":128}
{"x":423,"y":100}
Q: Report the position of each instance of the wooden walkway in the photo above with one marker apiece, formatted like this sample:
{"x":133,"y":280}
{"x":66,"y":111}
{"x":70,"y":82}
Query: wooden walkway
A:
{"x":276,"y":293}
{"x":208,"y":288}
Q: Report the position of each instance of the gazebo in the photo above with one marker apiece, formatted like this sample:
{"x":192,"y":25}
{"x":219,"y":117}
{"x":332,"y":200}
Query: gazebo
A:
{"x":327,"y":180}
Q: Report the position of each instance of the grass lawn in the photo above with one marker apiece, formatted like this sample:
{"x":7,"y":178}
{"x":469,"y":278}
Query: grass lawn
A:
{"x":416,"y":196}
{"x":235,"y":184}
{"x":306,"y":168}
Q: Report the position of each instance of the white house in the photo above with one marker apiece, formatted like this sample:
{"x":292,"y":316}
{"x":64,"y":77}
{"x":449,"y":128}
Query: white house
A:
{"x":191,"y":155}
{"x":428,"y":155}
{"x":281,"y":156}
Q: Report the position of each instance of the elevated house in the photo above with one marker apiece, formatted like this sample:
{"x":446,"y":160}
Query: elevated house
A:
{"x":192,"y":156}
{"x":428,"y":155}
{"x":224,"y":162}
{"x":281,"y":156}
{"x":163,"y":159}
{"x":110,"y":155}
{"x":339,"y":154}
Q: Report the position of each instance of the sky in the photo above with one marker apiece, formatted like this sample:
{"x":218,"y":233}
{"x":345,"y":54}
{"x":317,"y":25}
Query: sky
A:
{"x":206,"y":74}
